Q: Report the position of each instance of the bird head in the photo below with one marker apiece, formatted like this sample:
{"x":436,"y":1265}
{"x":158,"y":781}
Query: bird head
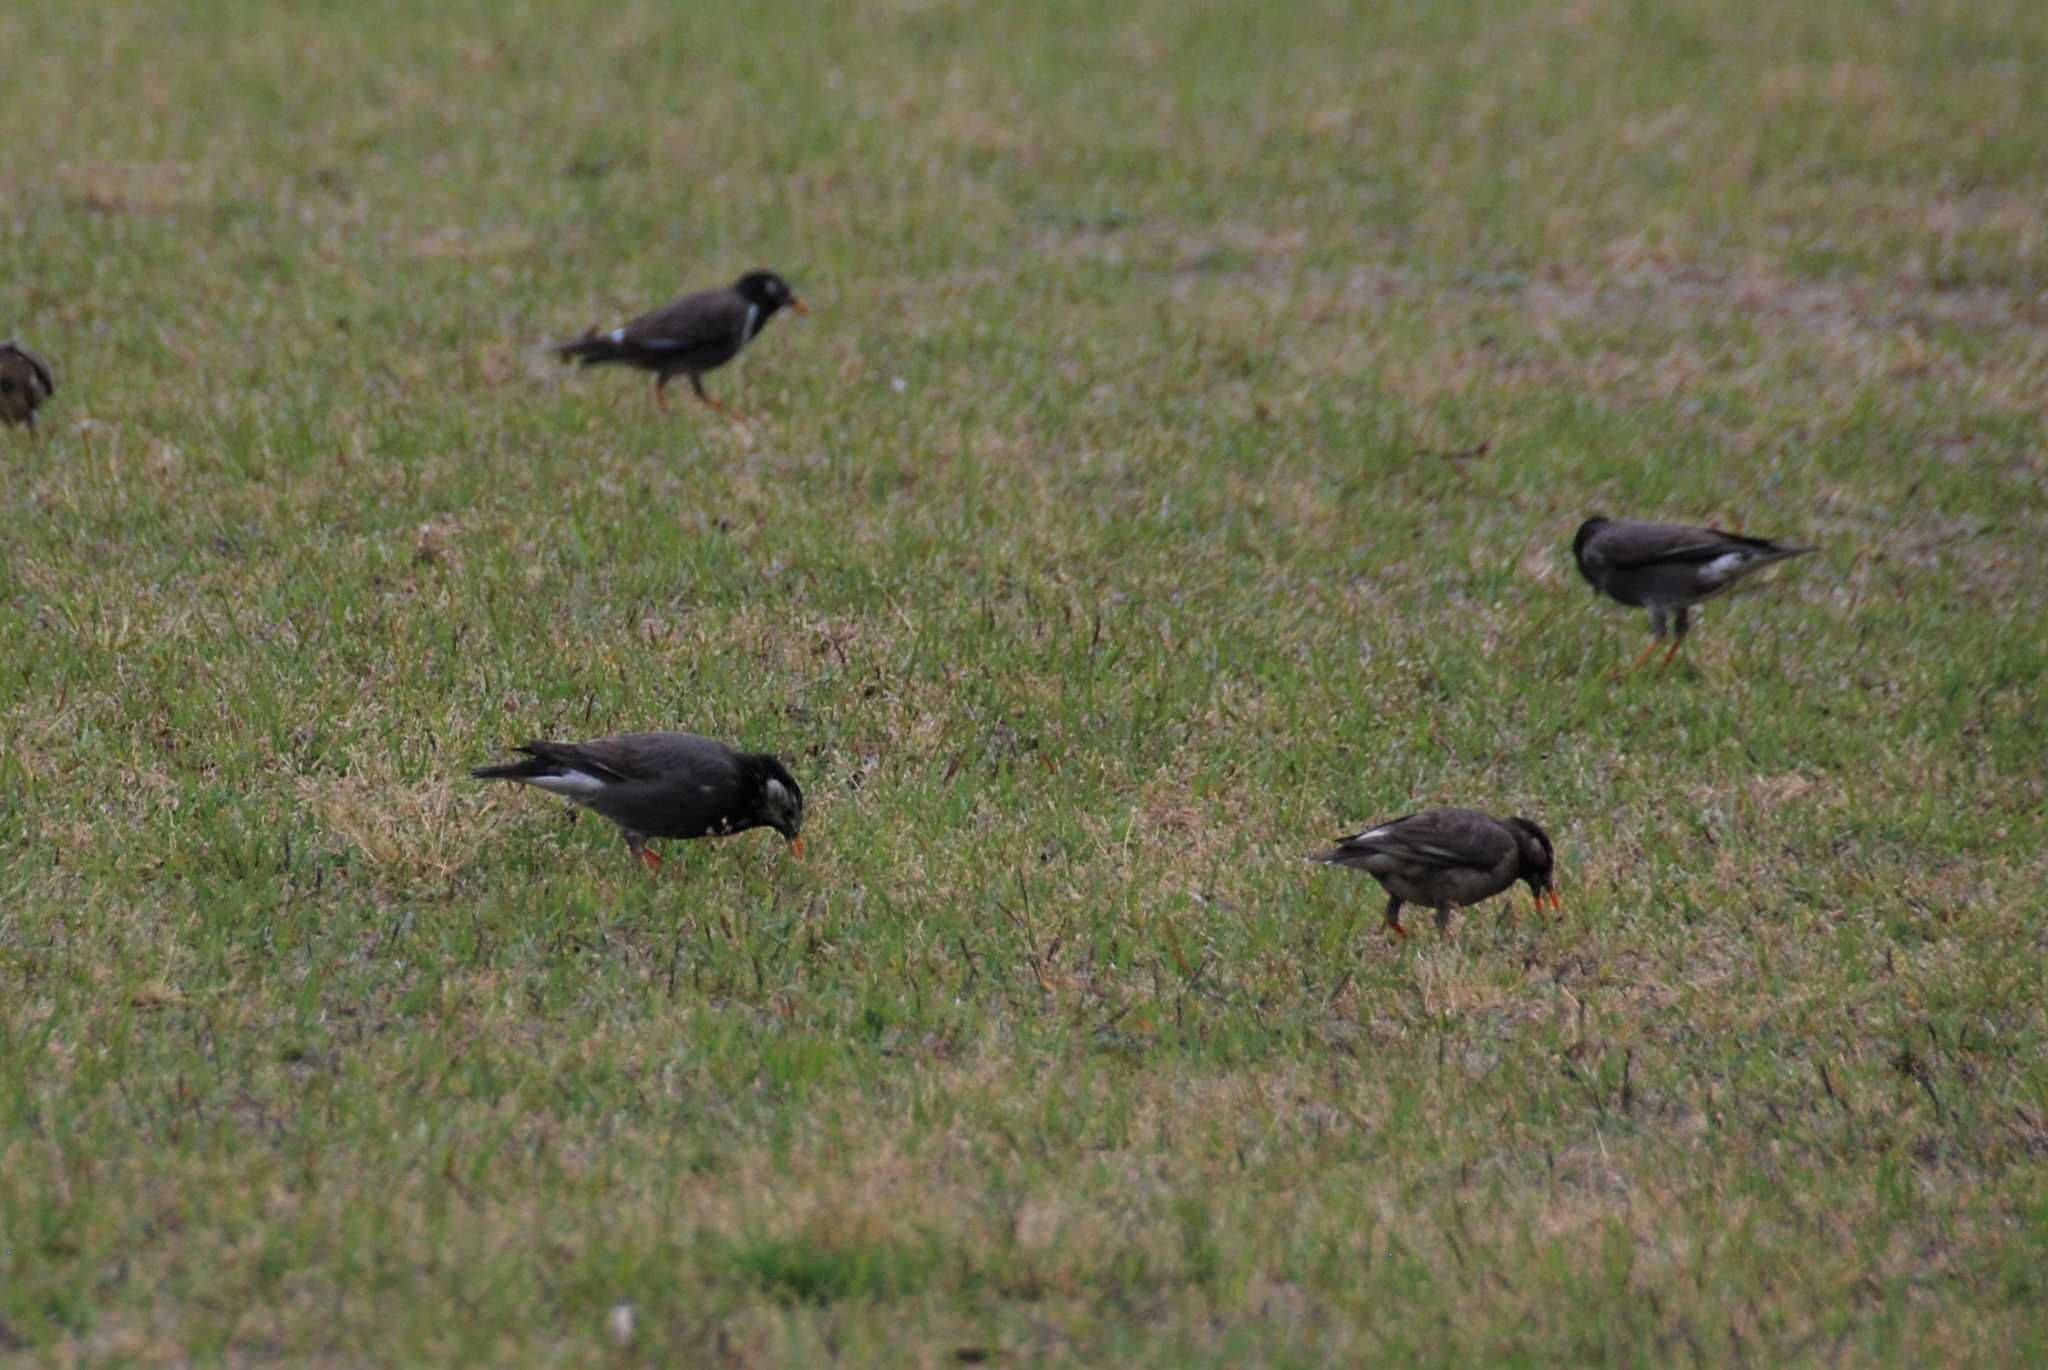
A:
{"x":1587,"y":531}
{"x":1538,"y":861}
{"x":769,"y":292}
{"x":782,"y":802}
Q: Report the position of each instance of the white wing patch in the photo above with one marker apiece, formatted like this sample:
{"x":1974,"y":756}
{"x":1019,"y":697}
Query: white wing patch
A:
{"x":1727,"y":566}
{"x":575,"y":784}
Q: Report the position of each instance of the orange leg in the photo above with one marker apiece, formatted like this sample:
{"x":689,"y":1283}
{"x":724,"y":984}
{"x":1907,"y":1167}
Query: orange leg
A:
{"x":1675,"y":643}
{"x":1394,"y":919}
{"x":1644,"y":655}
{"x":735,"y":415}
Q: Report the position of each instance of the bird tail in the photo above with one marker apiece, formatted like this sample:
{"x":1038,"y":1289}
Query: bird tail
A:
{"x":1763,"y":552}
{"x":536,"y":764}
{"x":1770,"y":554}
{"x":530,"y":769}
{"x":594,"y":348}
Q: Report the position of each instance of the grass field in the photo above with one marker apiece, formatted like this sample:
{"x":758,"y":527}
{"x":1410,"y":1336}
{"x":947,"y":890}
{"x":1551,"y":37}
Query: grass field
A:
{"x":1114,"y":533}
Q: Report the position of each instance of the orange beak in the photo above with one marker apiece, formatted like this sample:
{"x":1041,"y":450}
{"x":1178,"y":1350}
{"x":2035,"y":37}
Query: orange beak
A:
{"x":798,"y":305}
{"x":796,"y":845}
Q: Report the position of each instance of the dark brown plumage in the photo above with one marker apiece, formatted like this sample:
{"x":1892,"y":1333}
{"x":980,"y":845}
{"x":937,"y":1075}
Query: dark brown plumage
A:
{"x":675,"y":785}
{"x":25,"y":382}
{"x":690,"y":336}
{"x":1449,"y":858}
{"x":1668,"y":567}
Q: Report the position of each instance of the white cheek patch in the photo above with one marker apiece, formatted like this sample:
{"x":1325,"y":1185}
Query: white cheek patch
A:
{"x":575,"y":784}
{"x":617,"y":335}
{"x":747,"y":332}
{"x":778,"y":794}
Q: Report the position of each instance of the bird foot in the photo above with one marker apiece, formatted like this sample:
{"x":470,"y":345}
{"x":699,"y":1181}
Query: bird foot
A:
{"x":649,"y":858}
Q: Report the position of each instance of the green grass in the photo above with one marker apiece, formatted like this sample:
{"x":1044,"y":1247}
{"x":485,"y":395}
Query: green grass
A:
{"x":1103,"y":545}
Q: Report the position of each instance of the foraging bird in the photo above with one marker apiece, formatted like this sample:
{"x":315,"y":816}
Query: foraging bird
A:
{"x":1448,"y":858}
{"x":1667,"y":568}
{"x":25,"y":382}
{"x":695,"y":334}
{"x":665,"y":785}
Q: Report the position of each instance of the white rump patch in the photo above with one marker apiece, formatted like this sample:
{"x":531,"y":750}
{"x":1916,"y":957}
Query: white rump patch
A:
{"x":575,"y":784}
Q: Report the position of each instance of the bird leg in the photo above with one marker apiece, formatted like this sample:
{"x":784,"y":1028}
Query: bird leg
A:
{"x":697,"y":384}
{"x":1394,"y":917}
{"x":660,"y":399}
{"x":1679,"y":630}
{"x":1443,"y":919}
{"x":648,"y":856}
{"x":1659,"y":622}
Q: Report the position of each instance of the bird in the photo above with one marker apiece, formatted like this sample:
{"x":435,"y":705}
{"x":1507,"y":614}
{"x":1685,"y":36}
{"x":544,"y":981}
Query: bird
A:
{"x":1667,"y":568}
{"x":1449,"y":858}
{"x":664,"y":784}
{"x":25,"y":382}
{"x":692,"y":335}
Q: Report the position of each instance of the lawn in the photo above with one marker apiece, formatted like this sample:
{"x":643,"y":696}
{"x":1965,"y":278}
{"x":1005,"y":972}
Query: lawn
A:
{"x":1177,"y":469}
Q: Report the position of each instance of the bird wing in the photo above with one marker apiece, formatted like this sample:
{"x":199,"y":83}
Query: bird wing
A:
{"x":1441,"y":838}
{"x":1630,"y":545}
{"x":706,"y":319}
{"x":644,"y":756}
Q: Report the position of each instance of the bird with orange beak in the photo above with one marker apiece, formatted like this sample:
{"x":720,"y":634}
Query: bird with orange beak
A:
{"x":675,"y":785}
{"x":690,"y":336}
{"x":1449,"y":858}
